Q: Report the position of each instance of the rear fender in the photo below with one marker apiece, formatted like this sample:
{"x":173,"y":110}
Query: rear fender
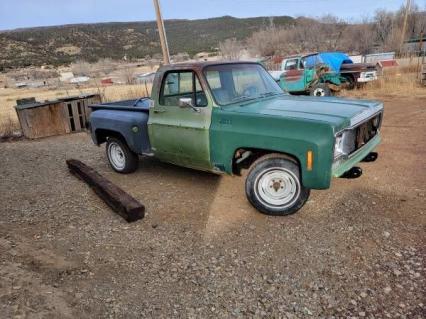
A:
{"x":131,"y":127}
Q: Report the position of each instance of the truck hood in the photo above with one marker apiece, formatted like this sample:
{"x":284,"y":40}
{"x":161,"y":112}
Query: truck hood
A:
{"x":357,"y":67}
{"x":338,"y":112}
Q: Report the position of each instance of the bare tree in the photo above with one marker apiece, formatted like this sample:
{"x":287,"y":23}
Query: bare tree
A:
{"x":270,"y":41}
{"x":149,"y":62}
{"x":105,"y":66}
{"x":384,"y":24}
{"x":417,"y":22}
{"x":332,"y":31}
{"x":128,"y":73}
{"x":157,"y":57}
{"x":181,"y":57}
{"x":306,"y":35}
{"x":382,"y":32}
{"x":81,"y":68}
{"x":359,"y":38}
{"x":230,"y":49}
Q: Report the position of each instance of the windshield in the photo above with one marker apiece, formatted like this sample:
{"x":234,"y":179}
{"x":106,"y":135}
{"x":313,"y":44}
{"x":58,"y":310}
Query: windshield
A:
{"x":239,"y":82}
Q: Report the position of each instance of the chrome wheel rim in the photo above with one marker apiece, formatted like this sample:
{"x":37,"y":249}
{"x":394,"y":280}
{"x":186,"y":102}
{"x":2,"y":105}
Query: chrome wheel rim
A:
{"x":116,"y":156}
{"x":277,"y":188}
{"x":319,"y":92}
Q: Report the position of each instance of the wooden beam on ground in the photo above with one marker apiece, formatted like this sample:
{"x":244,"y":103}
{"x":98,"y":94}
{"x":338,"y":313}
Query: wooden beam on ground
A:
{"x":116,"y":198}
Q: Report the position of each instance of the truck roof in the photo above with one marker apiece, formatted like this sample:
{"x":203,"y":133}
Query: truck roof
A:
{"x":302,"y":55}
{"x":200,"y":65}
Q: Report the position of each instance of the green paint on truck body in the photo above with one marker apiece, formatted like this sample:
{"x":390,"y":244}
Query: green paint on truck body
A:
{"x":341,"y":167}
{"x":284,"y":124}
{"x":208,"y":140}
{"x":180,"y":135}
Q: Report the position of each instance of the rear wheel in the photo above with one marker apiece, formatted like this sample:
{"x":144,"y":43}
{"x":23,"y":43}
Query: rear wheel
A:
{"x":274,"y":187}
{"x":320,"y":89}
{"x":120,"y":157}
{"x":350,"y":80}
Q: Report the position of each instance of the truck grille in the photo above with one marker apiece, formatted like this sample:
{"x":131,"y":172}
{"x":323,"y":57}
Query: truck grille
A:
{"x":366,"y":131}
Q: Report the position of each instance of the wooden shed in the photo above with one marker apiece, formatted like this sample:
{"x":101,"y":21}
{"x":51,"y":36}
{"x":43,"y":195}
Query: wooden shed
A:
{"x":63,"y":116}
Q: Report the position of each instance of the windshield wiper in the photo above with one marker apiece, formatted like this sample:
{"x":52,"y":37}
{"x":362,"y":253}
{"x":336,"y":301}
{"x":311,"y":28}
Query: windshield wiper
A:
{"x":246,"y":98}
{"x":269,"y":94}
{"x":243,"y":98}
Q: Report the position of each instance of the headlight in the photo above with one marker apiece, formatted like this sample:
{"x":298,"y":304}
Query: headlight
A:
{"x":345,"y":144}
{"x":376,"y":122}
{"x":338,"y":146}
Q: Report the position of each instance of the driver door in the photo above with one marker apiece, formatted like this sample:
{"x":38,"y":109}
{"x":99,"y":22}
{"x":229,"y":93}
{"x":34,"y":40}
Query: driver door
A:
{"x":294,"y":80}
{"x":180,"y":134}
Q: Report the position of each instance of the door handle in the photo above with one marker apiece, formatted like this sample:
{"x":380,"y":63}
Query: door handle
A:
{"x":159,"y":111}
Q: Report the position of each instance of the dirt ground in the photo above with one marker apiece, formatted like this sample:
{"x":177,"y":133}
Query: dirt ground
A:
{"x":356,"y":250}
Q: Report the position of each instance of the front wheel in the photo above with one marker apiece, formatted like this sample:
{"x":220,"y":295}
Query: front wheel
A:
{"x":120,"y":157}
{"x":320,"y":89}
{"x":274,"y":187}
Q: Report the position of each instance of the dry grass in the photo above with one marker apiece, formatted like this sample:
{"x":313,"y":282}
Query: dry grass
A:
{"x":116,"y":93}
{"x":401,"y":81}
{"x":9,"y":129}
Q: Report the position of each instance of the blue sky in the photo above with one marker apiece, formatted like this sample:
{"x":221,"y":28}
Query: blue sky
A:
{"x":30,"y":13}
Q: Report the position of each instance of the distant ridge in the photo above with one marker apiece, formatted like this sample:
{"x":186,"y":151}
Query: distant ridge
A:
{"x":64,"y":44}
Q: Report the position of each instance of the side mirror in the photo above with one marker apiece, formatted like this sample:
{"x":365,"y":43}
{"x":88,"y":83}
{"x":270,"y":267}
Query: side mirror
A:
{"x":187,"y":102}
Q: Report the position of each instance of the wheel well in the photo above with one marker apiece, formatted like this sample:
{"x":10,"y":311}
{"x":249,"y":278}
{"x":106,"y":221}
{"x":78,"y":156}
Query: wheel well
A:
{"x":103,"y":134}
{"x":350,"y":76}
{"x":244,"y":157}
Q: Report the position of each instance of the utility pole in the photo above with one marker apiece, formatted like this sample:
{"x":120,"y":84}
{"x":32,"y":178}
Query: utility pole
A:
{"x":162,"y":32}
{"x":404,"y":26}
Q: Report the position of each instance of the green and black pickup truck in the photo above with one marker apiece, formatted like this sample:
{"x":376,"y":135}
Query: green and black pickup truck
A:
{"x":225,"y":117}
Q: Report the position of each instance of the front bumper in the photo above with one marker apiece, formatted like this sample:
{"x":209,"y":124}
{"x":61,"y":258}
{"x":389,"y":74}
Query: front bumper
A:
{"x":367,"y":78}
{"x":343,"y":165}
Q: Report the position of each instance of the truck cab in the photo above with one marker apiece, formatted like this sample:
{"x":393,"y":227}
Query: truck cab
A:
{"x":294,"y":77}
{"x":229,"y":116}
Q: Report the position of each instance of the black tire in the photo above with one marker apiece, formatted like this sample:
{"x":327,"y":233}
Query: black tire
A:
{"x":288,"y":181}
{"x":120,"y":157}
{"x":350,"y":80}
{"x":320,"y":89}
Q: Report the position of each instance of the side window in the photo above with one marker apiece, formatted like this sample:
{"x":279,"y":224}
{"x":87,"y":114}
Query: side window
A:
{"x":177,"y":83}
{"x":291,"y":65}
{"x":200,"y":96}
{"x":182,"y":84}
{"x":185,"y":83}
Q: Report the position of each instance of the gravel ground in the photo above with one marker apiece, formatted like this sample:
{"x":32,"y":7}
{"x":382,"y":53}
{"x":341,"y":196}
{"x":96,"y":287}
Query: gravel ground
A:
{"x":355,"y":250}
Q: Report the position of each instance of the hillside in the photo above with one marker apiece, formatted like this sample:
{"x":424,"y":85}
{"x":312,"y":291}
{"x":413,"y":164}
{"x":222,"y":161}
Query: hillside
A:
{"x":64,"y":44}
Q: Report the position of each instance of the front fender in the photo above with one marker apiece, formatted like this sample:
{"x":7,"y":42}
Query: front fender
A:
{"x":275,"y":134}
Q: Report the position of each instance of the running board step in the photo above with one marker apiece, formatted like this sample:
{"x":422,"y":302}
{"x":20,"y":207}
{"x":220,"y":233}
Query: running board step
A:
{"x":371,"y":157}
{"x":354,"y":172}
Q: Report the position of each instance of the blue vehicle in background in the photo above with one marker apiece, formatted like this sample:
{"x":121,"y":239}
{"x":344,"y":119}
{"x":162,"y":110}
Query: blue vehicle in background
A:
{"x":321,"y":74}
